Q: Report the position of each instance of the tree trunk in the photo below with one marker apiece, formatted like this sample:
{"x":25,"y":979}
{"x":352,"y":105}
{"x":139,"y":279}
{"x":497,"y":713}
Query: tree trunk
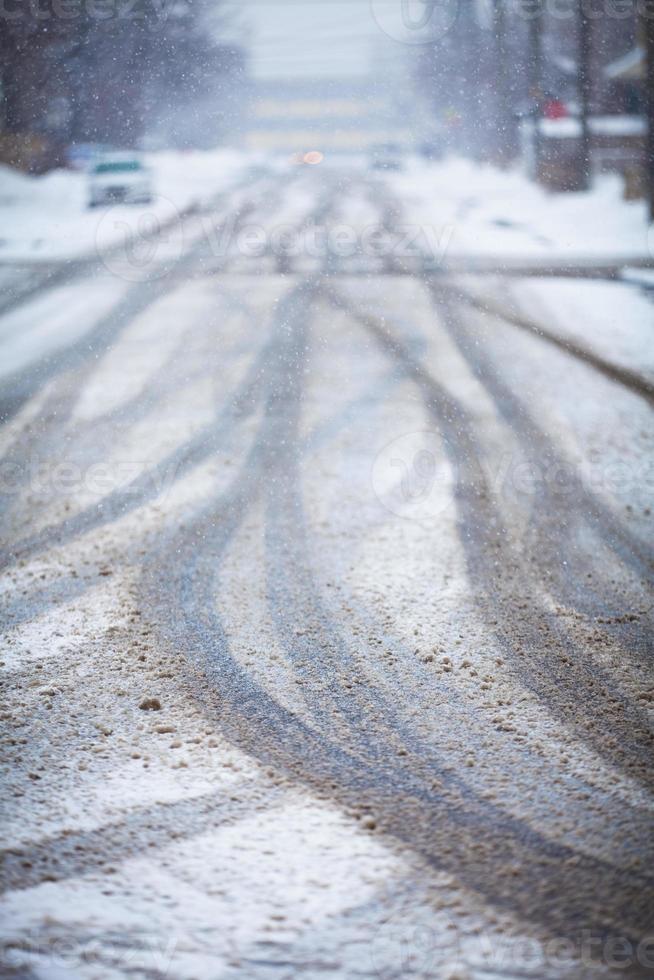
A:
{"x":505,"y":139}
{"x":648,"y":29}
{"x":23,"y":89}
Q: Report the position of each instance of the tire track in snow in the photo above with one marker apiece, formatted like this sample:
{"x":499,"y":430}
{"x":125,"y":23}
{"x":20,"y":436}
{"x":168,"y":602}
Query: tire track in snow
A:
{"x":542,"y":652}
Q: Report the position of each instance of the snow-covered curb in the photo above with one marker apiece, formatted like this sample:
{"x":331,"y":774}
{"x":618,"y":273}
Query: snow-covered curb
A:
{"x":501,"y":216}
{"x":47,"y":218}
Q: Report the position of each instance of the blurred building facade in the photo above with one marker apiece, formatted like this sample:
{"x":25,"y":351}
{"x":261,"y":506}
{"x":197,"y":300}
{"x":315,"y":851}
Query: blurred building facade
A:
{"x":331,"y":115}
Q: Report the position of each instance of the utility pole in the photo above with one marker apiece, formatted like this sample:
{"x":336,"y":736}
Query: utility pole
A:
{"x":648,"y":32}
{"x":584,"y":88}
{"x":536,"y":76}
{"x":504,"y":115}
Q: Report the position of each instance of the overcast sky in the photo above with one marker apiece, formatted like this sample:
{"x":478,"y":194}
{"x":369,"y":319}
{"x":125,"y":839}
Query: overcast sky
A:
{"x":310,"y":37}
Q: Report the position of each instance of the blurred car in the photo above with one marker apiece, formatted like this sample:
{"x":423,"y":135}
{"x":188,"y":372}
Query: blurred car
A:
{"x":312,"y":158}
{"x":431,"y":149}
{"x":386,"y":156}
{"x":119,"y":179}
{"x":82,"y":156}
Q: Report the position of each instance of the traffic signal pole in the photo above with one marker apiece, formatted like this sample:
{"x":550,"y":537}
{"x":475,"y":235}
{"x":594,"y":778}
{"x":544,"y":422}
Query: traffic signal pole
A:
{"x":584,"y":85}
{"x":536,"y":75}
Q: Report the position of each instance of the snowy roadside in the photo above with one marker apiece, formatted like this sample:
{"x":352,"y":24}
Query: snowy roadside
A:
{"x":605,"y":321}
{"x":484,"y":216}
{"x":613,"y":319}
{"x":481,"y":212}
{"x":47,"y":219}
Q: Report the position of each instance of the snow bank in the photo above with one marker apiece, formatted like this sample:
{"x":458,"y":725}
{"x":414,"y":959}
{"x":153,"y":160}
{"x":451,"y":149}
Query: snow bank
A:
{"x":47,"y":217}
{"x":502,"y":215}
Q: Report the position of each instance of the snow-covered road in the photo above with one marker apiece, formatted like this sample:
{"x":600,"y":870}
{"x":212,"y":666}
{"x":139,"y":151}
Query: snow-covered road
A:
{"x":327,"y":590}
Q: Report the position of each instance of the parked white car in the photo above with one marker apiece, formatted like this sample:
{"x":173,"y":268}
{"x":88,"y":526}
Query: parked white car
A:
{"x":119,"y":179}
{"x":386,"y":156}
